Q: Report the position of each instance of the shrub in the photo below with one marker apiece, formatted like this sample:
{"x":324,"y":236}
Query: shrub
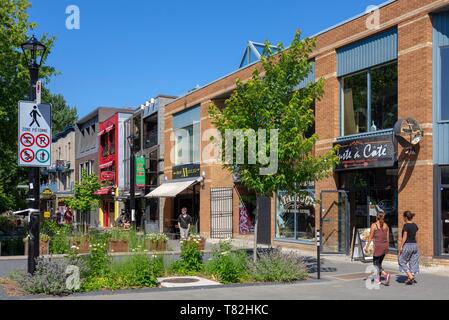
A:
{"x":278,"y":267}
{"x":59,"y":236}
{"x":99,"y":260}
{"x":191,"y":261}
{"x":119,"y":235}
{"x":136,"y":271}
{"x":50,"y":278}
{"x":136,"y":243}
{"x":44,"y":237}
{"x":12,"y":246}
{"x":227,"y":265}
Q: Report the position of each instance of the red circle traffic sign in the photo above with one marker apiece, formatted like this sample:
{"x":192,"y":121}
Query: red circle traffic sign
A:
{"x":43,"y":140}
{"x":27,"y":139}
{"x":27,"y":155}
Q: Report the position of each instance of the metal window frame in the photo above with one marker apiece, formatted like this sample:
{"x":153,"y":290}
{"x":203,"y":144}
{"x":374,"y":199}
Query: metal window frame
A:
{"x":276,"y":230}
{"x":438,"y":227}
{"x":369,"y":98}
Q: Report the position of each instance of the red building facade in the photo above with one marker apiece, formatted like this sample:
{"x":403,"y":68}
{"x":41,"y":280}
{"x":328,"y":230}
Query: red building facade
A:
{"x":108,"y":169}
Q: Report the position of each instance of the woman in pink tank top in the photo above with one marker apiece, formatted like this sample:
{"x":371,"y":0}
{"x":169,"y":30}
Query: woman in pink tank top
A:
{"x":380,"y":234}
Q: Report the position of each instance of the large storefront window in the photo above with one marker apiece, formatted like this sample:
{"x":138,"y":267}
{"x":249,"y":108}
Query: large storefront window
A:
{"x":295,"y":217}
{"x":355,"y":104}
{"x":444,"y":211}
{"x":370,"y":100}
{"x":445,"y":83}
{"x":384,"y":97}
{"x":370,"y":191}
{"x":186,"y":127}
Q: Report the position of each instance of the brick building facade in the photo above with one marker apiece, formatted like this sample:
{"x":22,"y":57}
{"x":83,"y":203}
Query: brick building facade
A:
{"x":375,"y":75}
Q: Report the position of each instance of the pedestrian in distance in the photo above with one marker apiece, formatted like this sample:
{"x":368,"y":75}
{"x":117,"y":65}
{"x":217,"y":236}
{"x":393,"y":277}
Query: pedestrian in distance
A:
{"x":408,"y":251}
{"x":380,"y":233}
{"x":184,"y":223}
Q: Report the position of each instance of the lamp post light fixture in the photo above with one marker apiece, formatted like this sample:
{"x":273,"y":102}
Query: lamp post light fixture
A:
{"x":34,"y":51}
{"x":132,"y":171}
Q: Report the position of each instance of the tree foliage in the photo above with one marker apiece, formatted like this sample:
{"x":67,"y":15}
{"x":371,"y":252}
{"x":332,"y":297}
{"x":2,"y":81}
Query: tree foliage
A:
{"x":14,"y":83}
{"x":62,"y":114}
{"x":84,"y":199}
{"x":271,"y":100}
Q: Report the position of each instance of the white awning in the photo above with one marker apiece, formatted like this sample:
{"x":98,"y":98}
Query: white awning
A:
{"x":172,"y":189}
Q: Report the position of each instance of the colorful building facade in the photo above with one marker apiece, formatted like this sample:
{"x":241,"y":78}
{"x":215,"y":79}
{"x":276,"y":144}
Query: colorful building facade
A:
{"x":111,"y":167}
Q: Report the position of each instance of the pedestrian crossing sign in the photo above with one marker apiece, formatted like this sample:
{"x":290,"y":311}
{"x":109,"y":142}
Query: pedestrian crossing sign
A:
{"x":34,"y":134}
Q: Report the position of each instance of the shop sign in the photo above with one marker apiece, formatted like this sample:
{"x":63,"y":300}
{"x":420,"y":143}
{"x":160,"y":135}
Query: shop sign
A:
{"x":295,"y":202}
{"x":140,"y":171}
{"x":186,"y":171}
{"x":373,"y":152}
{"x":107,"y":176}
{"x":47,"y":194}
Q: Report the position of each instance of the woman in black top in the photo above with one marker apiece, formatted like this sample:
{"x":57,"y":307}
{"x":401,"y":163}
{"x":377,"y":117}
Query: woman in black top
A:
{"x":408,"y":252}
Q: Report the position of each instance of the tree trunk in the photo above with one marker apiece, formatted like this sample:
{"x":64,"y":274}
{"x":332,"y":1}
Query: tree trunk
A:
{"x":256,"y":228}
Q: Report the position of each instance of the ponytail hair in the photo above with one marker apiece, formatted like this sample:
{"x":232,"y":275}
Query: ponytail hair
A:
{"x":409,"y":215}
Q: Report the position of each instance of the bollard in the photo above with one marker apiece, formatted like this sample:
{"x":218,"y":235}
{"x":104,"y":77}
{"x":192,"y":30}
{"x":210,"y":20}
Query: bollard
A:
{"x":318,"y":253}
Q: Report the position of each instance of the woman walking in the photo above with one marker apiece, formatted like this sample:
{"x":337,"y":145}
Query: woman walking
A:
{"x":380,"y":233}
{"x":409,"y":253}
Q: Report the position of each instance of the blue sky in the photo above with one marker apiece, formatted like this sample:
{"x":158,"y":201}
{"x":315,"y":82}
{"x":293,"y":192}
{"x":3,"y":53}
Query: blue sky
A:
{"x":129,"y":51}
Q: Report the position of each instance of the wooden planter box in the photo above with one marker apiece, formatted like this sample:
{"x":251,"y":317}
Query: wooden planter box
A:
{"x":83,"y":246}
{"x":156,"y":246}
{"x":44,"y":247}
{"x":161,"y":246}
{"x":118,"y":246}
{"x":202,"y":244}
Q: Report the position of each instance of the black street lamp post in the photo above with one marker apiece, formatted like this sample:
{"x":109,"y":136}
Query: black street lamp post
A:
{"x":33,"y":51}
{"x":132,"y":173}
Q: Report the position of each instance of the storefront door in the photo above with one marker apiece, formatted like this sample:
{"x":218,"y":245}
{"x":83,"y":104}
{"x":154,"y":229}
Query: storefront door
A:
{"x":188,"y":202}
{"x":371,"y":191}
{"x":335,"y":234}
{"x":445,"y":221}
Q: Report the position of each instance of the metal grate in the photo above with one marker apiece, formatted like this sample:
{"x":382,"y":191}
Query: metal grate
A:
{"x":221,"y":213}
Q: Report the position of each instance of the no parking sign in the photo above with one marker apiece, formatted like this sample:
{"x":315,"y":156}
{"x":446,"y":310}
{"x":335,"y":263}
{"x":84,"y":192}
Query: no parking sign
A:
{"x":34,"y":134}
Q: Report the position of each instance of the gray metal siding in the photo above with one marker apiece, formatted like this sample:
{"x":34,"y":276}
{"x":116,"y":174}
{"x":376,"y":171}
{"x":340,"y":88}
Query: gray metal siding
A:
{"x":441,"y":129}
{"x":186,"y":118}
{"x":363,"y":54}
{"x":310,"y":77}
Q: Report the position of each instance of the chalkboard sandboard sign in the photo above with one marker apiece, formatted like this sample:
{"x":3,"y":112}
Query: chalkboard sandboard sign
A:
{"x":359,"y":240}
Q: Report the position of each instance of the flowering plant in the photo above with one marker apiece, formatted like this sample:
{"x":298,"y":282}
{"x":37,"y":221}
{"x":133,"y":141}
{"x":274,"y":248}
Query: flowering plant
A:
{"x":157,"y":237}
{"x":44,"y":237}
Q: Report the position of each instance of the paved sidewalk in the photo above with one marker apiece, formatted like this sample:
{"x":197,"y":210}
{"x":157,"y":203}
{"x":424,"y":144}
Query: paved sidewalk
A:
{"x":341,"y":279}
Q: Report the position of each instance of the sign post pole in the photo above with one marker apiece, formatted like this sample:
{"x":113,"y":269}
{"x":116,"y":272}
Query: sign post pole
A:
{"x":318,"y":253}
{"x":34,"y":223}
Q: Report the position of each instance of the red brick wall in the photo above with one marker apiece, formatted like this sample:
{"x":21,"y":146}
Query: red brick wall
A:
{"x":415,"y":99}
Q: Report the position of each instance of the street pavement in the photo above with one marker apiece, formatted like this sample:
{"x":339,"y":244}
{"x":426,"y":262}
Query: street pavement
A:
{"x":341,"y":280}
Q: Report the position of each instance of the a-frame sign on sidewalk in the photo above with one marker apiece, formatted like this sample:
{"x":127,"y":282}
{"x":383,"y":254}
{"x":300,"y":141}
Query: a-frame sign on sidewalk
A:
{"x":34,"y":134}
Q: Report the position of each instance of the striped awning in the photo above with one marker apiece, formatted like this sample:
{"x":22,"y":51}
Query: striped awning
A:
{"x":173,"y":188}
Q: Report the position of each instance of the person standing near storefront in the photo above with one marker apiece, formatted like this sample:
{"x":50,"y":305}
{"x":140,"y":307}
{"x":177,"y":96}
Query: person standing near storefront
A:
{"x":380,"y":233}
{"x":184,"y":223}
{"x":409,"y":253}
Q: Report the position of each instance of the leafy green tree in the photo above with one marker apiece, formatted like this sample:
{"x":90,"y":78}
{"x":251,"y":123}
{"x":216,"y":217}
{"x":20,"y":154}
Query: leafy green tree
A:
{"x":14,"y":82}
{"x":84,"y":200}
{"x":271,"y":100}
{"x":63,"y":115}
